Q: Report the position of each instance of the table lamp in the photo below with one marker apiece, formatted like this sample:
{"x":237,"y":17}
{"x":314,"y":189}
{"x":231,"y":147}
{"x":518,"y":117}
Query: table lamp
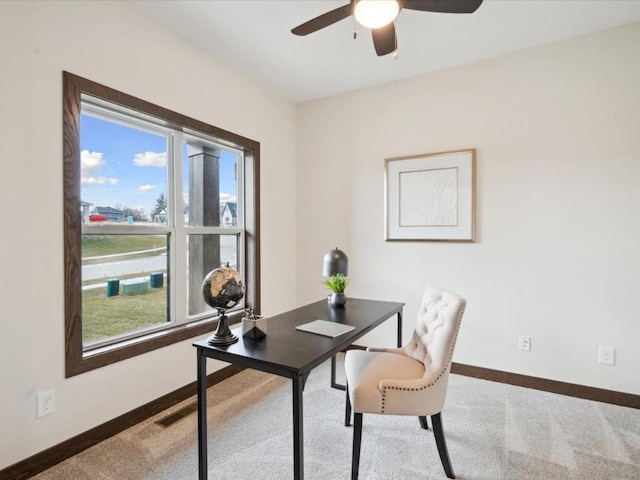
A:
{"x":335,"y":268}
{"x":335,"y":261}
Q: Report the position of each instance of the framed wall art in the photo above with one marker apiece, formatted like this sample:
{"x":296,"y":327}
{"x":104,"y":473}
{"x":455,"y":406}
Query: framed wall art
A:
{"x":431,"y":197}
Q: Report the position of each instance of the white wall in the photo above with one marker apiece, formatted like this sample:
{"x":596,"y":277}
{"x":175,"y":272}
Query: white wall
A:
{"x":114,"y":44}
{"x":557,"y":133}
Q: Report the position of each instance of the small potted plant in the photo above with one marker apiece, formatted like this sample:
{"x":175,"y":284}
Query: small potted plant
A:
{"x":337,"y":284}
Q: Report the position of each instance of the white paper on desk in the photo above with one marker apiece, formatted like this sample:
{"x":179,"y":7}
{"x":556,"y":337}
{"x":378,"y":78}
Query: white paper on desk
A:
{"x":326,"y":328}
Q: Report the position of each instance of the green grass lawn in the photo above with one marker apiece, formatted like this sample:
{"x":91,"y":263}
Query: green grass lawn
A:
{"x":105,"y":317}
{"x":114,"y":244}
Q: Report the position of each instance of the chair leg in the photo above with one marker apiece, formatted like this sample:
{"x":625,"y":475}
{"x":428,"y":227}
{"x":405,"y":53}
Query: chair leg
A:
{"x":347,"y":409}
{"x":357,"y":439}
{"x":436,"y":422}
{"x":423,"y":422}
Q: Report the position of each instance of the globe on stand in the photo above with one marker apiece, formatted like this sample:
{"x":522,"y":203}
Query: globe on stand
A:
{"x":223,"y":289}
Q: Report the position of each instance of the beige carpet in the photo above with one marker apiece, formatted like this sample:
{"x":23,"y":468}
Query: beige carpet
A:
{"x":494,"y":431}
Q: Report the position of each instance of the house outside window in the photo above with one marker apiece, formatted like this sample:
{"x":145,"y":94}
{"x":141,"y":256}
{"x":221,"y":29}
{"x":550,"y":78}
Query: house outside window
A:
{"x":151,"y":188}
{"x":229,"y":215}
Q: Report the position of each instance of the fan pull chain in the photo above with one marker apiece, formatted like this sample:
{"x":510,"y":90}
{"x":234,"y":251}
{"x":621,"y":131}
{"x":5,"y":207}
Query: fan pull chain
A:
{"x":355,"y":28}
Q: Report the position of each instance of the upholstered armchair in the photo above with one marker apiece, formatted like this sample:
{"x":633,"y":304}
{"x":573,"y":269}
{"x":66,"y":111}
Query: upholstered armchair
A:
{"x":411,"y":380}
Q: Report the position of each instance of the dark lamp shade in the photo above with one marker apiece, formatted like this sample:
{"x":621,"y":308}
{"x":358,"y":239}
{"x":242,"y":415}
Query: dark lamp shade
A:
{"x":335,"y":261}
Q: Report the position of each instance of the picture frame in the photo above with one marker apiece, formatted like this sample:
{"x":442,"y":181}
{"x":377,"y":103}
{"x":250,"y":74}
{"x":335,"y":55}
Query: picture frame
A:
{"x":431,"y":197}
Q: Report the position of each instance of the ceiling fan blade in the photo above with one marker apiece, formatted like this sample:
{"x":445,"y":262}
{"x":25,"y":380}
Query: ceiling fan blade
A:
{"x":323,"y":20}
{"x":443,"y":6}
{"x":384,"y":39}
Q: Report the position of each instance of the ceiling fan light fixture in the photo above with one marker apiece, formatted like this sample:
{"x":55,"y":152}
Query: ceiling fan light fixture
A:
{"x":376,"y":13}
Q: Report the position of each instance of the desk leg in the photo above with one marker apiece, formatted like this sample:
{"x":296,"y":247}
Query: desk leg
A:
{"x":202,"y":416}
{"x":399,"y":329}
{"x":298,"y":437}
{"x":334,"y":384}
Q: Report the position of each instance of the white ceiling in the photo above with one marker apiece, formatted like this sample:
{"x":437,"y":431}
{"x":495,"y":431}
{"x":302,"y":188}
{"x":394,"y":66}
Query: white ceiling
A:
{"x":255,"y":37}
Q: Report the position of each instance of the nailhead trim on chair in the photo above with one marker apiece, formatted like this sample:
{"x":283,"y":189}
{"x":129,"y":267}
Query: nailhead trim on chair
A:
{"x":404,"y":389}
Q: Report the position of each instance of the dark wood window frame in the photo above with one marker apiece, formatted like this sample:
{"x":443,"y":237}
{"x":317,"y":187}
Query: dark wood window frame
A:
{"x":76,"y":361}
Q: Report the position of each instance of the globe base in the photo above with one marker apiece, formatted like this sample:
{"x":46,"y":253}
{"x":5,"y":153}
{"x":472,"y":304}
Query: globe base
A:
{"x":223,"y":335}
{"x":222,"y":340}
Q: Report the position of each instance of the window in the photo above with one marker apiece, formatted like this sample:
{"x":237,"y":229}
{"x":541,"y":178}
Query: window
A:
{"x":153,"y":201}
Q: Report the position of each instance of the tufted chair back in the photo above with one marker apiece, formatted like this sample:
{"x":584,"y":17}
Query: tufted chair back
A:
{"x":436,"y":329}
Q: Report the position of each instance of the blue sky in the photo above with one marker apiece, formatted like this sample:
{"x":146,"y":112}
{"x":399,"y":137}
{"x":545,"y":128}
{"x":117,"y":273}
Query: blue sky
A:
{"x":126,"y":167}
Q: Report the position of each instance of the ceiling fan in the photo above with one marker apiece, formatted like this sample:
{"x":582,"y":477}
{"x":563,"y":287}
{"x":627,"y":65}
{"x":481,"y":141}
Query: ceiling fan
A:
{"x":379,"y":15}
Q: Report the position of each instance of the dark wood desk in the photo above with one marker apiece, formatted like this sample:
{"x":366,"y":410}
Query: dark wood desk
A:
{"x":291,"y":353}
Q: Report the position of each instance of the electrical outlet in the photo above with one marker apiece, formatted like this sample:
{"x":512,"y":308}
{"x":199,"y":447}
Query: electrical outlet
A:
{"x":606,"y":355}
{"x":524,"y":343}
{"x":46,"y":403}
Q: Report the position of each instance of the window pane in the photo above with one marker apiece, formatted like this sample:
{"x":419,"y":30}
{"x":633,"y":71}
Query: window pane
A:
{"x":210,"y":186}
{"x":123,"y":173}
{"x":205,"y":253}
{"x":124,"y":284}
{"x":118,"y":153}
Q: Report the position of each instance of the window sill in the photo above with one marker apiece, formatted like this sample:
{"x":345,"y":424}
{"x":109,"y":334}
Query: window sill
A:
{"x":107,"y":355}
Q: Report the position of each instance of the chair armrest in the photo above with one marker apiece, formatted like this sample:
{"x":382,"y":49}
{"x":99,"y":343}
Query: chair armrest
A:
{"x":426,"y":381}
{"x":420,"y":396}
{"x":387,"y":350}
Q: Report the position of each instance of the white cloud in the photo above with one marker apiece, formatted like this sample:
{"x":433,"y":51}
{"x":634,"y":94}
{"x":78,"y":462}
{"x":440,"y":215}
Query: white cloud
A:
{"x":90,"y":165}
{"x":146,"y":188}
{"x":98,"y":181}
{"x":91,"y":161}
{"x":150,"y":159}
{"x":227,"y":197}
